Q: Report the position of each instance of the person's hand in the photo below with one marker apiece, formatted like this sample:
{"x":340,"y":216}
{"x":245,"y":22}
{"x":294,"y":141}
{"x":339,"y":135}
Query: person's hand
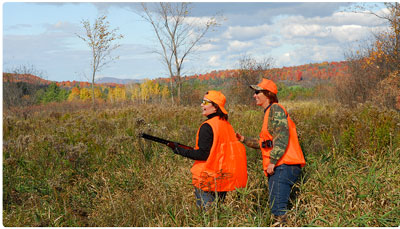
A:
{"x":239,"y":137}
{"x":270,"y":169}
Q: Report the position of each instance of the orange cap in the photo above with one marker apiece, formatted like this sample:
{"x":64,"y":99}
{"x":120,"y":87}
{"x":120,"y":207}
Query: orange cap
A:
{"x":218,"y":98}
{"x":266,"y":84}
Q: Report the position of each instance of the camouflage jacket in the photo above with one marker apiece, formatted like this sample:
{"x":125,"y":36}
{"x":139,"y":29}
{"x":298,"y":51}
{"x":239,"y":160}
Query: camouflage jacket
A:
{"x":279,"y":129}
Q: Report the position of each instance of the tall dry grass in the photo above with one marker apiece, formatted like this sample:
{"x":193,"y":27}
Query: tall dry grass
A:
{"x":86,"y":168}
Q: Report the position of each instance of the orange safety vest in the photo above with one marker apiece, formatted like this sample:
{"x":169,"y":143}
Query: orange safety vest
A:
{"x":226,"y":166}
{"x":293,"y":154}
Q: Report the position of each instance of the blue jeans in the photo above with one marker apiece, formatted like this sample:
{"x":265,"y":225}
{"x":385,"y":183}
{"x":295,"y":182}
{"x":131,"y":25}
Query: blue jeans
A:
{"x":204,"y":198}
{"x":280,"y":184}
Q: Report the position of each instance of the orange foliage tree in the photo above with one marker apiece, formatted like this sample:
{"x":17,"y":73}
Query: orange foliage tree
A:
{"x":373,"y":66}
{"x":74,"y":95}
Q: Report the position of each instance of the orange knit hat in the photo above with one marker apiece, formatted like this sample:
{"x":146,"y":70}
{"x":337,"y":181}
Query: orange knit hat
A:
{"x":218,"y":98}
{"x":266,"y":84}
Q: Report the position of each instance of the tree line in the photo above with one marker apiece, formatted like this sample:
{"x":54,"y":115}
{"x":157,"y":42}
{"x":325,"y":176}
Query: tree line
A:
{"x":26,"y":94}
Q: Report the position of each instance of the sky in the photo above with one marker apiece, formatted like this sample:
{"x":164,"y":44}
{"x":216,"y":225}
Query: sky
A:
{"x":43,"y":36}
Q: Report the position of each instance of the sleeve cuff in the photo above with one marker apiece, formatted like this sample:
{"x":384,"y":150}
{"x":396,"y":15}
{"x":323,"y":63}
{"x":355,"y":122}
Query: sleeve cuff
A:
{"x":273,"y":161}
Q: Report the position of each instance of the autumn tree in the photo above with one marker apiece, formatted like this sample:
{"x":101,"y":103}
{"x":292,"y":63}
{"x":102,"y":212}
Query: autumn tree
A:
{"x":146,"y":90}
{"x":116,"y":94}
{"x":384,"y":51}
{"x":178,"y":35}
{"x":84,"y":94}
{"x":375,"y":63}
{"x":101,"y":40}
{"x":164,"y":93}
{"x":133,"y":91}
{"x":74,"y":95}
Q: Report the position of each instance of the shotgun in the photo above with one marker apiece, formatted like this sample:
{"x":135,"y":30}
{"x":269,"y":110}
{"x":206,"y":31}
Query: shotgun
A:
{"x":162,"y":141}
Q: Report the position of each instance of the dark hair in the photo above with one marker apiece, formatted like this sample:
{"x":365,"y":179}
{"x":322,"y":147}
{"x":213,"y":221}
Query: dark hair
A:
{"x":271,"y":96}
{"x":219,"y":113}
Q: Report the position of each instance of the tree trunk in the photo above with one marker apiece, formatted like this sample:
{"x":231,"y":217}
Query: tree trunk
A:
{"x":172,"y":90}
{"x":93,"y":100}
{"x":179,"y":87}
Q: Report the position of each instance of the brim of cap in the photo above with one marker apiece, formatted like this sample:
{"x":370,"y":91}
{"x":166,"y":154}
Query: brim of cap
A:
{"x":223,"y":110}
{"x":256,"y":87}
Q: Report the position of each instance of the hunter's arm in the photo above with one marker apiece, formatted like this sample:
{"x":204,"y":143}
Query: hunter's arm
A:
{"x":205,"y":143}
{"x":251,"y":142}
{"x":279,"y":129}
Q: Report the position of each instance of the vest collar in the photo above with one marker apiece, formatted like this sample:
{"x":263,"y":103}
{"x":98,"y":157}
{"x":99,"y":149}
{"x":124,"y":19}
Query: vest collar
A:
{"x":210,"y":116}
{"x":267,"y":107}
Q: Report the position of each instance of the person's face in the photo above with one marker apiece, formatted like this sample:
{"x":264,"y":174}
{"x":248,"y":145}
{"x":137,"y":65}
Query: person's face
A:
{"x":207,"y":107}
{"x":261,"y":99}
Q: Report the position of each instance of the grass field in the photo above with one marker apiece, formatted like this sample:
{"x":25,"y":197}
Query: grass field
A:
{"x":82,"y":168}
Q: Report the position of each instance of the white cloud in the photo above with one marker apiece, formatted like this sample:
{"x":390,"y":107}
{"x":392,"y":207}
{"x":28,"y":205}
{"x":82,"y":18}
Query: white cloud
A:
{"x":198,"y":21}
{"x":238,"y":45}
{"x":61,"y":26}
{"x":271,"y":42}
{"x":344,"y":33}
{"x":18,"y":27}
{"x":341,"y":27}
{"x":363,"y":19}
{"x":284,"y":60}
{"x":58,"y":24}
{"x":336,"y":19}
{"x":310,"y":54}
{"x":349,"y":33}
{"x":303,"y":30}
{"x":246,"y":32}
{"x":207,"y":47}
{"x":214,"y":61}
{"x":321,"y":53}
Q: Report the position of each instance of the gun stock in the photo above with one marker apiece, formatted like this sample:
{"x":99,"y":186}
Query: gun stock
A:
{"x":162,"y":141}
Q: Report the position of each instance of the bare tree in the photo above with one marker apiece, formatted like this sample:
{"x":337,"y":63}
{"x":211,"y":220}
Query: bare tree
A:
{"x":178,"y":35}
{"x":251,"y":71}
{"x":100,"y":38}
{"x":20,"y":85}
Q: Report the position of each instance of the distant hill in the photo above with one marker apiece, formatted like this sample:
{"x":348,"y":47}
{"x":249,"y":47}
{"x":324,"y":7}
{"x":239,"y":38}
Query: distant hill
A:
{"x":117,"y":81}
{"x":32,"y":79}
{"x":308,"y":72}
{"x":27,"y":78}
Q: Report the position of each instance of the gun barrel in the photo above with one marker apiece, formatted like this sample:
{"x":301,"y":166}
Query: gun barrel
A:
{"x":153,"y":138}
{"x":163,"y":141}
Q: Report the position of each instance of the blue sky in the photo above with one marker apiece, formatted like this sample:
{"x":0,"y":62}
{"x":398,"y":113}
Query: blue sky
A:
{"x":43,"y":35}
